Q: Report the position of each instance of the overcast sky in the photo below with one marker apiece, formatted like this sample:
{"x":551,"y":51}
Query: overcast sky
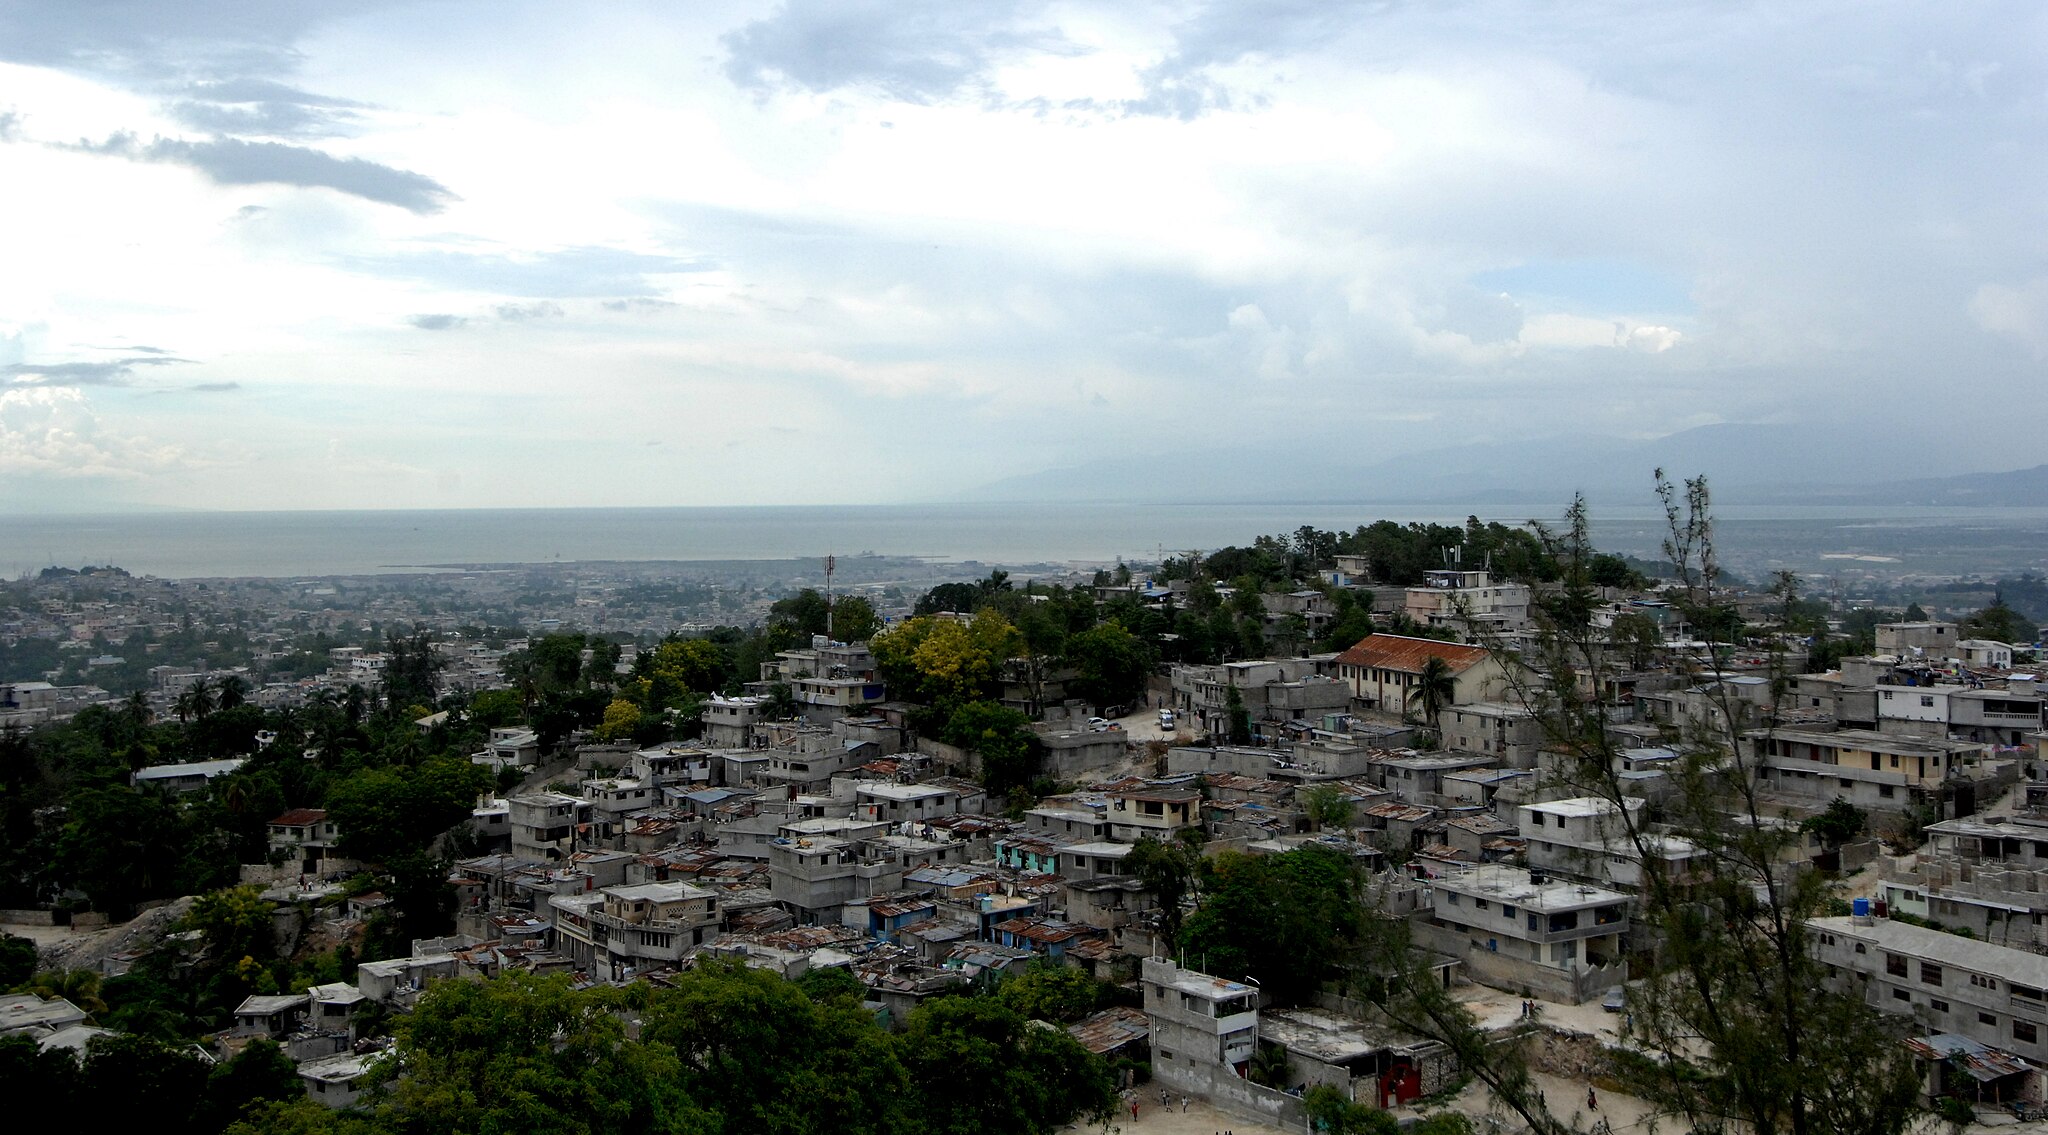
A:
{"x":278,"y":254}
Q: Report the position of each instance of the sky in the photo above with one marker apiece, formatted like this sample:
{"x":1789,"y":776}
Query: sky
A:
{"x":279,"y":254}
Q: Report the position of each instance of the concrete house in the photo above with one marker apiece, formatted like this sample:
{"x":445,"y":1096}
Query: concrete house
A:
{"x":1993,"y":995}
{"x":1510,"y":734}
{"x":1585,"y":839}
{"x":545,"y":825}
{"x":1877,"y":771}
{"x":1381,"y":670}
{"x":303,"y":836}
{"x":1528,"y":932}
{"x":1158,"y":812}
{"x":1204,"y":1029}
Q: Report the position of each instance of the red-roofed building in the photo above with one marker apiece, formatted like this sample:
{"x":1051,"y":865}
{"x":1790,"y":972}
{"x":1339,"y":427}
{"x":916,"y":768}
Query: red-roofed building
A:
{"x":304,"y":835}
{"x":1382,"y":668}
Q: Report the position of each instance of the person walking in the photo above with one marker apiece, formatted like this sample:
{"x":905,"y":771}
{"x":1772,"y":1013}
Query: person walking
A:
{"x":1592,"y":1101}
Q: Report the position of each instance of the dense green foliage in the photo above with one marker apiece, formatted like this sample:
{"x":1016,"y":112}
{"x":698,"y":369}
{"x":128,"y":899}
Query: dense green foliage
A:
{"x":1285,"y":921}
{"x":725,"y":1049}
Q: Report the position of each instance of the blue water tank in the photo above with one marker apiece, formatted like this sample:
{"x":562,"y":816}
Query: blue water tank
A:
{"x":1859,"y":907}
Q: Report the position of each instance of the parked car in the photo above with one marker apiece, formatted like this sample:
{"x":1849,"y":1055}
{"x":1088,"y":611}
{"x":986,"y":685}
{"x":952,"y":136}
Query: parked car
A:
{"x":1099,"y":725}
{"x":1166,"y":719}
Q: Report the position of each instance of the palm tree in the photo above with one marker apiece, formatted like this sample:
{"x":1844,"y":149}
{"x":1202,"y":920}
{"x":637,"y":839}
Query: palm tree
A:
{"x":1434,"y":688}
{"x":354,"y":703}
{"x":137,"y":708}
{"x":233,"y":691}
{"x":201,"y":692}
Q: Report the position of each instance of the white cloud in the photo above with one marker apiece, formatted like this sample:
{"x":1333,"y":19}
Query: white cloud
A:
{"x":52,"y":431}
{"x":977,"y":224}
{"x":2018,"y":313}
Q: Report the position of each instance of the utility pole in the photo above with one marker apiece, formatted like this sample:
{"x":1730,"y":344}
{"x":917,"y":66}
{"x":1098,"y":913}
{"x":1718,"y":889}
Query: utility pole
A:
{"x":831,"y":562}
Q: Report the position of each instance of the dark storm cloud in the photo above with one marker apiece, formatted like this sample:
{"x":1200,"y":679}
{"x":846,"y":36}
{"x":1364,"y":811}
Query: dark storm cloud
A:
{"x":229,"y":161}
{"x":108,"y":372}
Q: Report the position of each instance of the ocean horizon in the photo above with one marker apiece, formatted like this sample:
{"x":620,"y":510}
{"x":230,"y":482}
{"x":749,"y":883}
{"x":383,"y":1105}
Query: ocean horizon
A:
{"x":323,"y":543}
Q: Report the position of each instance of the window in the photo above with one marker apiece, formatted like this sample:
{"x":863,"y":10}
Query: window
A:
{"x":1507,"y":911}
{"x":1895,"y":965}
{"x":1451,"y":897}
{"x":1860,"y":949}
{"x":1885,"y":790}
{"x":2025,"y":1031}
{"x":1927,"y":700}
{"x":1901,"y":995}
{"x":1937,"y":1005}
{"x":1480,"y":904}
{"x":1930,"y":973}
{"x":1986,"y":1019}
{"x":1983,"y":982}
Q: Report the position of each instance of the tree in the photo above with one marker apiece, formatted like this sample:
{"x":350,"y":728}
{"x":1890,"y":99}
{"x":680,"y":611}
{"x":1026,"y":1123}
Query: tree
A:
{"x":1050,"y":991}
{"x":17,"y":960}
{"x":1110,"y":663}
{"x":233,"y":692}
{"x":523,"y":1052}
{"x":1838,"y":824}
{"x":1330,"y":1110}
{"x":621,"y":719}
{"x":962,"y":598}
{"x":234,"y":923}
{"x":1738,"y":1023}
{"x":1435,"y":688}
{"x":1999,"y":623}
{"x":979,"y":1069}
{"x":1002,"y":737}
{"x":261,"y":1073}
{"x":1283,"y":920}
{"x":854,"y":619}
{"x":388,"y":812}
{"x":1328,"y":806}
{"x":755,"y":1051}
{"x":1169,"y":869}
{"x":1240,"y":718}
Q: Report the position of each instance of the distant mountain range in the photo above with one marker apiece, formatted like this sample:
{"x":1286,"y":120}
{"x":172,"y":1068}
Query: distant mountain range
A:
{"x":1743,"y":463}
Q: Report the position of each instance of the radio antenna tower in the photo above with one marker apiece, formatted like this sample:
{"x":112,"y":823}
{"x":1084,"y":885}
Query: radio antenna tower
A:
{"x":831,"y":563}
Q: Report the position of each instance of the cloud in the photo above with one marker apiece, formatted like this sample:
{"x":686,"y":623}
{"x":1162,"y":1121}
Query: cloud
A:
{"x":10,"y":125}
{"x":439,"y":321}
{"x":582,"y":272}
{"x":215,"y":387}
{"x":231,"y":161}
{"x":2017,"y":313}
{"x":916,"y":52}
{"x":54,"y":432}
{"x":257,"y":106}
{"x":521,"y":312}
{"x":110,"y":372}
{"x":145,"y":40}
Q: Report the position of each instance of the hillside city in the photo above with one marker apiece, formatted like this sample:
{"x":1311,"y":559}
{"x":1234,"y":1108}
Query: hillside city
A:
{"x":1333,"y":830}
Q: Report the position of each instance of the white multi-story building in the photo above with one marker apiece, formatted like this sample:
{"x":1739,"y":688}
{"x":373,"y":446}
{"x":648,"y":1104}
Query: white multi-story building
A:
{"x":1586,"y":838}
{"x":1993,"y":995}
{"x":1522,"y":929}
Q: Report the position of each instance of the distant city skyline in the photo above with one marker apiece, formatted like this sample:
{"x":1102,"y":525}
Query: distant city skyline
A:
{"x":363,"y":255}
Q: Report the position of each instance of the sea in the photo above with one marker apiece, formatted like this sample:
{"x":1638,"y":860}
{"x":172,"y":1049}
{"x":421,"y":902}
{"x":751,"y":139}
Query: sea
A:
{"x":290,"y":544}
